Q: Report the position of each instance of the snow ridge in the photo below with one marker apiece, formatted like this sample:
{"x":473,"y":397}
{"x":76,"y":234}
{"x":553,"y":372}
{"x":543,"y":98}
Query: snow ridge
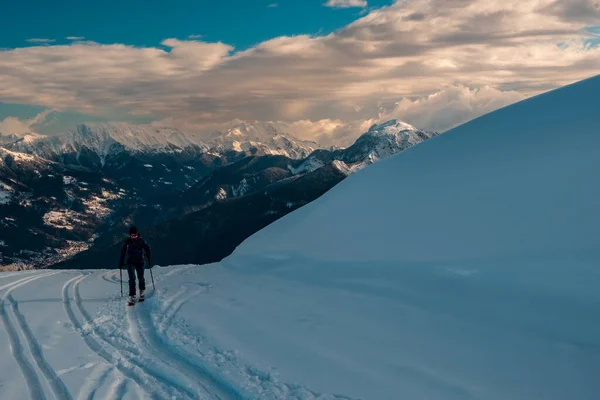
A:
{"x":379,"y":142}
{"x":262,"y":136}
{"x":110,"y":138}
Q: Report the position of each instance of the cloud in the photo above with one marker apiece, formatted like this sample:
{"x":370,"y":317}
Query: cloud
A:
{"x":576,"y":10}
{"x":272,"y":5}
{"x":13,"y":125}
{"x":407,"y":59}
{"x":195,"y":37}
{"x":41,"y":41}
{"x":450,"y":107}
{"x":346,"y":3}
{"x":75,"y":38}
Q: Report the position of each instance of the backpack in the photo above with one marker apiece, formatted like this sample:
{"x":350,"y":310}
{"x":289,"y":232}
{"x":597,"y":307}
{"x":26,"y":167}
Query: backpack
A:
{"x":135,"y":251}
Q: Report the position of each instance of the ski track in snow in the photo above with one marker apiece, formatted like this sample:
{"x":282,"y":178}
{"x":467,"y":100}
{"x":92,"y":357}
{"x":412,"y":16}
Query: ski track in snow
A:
{"x":56,"y":384}
{"x":111,"y":277}
{"x":145,"y":336}
{"x":118,"y":362}
{"x":32,"y":379}
{"x":95,"y":381}
{"x":118,"y":388}
{"x":172,"y":305}
{"x":137,"y":357}
{"x":164,"y":380}
{"x":7,"y":275}
{"x":264,"y":387}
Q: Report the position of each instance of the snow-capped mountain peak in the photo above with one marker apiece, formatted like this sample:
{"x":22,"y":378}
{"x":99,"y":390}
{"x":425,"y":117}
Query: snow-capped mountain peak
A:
{"x":380,"y":141}
{"x":262,"y":136}
{"x":132,"y":137}
{"x":391,"y":127}
{"x":107,"y":138}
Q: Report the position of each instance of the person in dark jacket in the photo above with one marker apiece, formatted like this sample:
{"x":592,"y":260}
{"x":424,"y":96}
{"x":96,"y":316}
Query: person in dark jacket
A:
{"x":133,"y":252}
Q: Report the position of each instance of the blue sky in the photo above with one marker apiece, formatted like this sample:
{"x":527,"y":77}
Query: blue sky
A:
{"x":241,"y":23}
{"x":198,"y":65}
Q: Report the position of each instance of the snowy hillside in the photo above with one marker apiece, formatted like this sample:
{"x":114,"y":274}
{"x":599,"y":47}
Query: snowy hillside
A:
{"x":516,"y":182}
{"x":477,"y":277}
{"x":69,"y":335}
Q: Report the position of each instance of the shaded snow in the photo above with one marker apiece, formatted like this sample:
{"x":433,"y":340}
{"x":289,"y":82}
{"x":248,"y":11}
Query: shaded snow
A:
{"x":463,"y":268}
{"x":309,"y":165}
{"x":241,"y":189}
{"x":490,"y":188}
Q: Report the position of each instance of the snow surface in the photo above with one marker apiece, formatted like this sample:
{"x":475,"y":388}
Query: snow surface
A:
{"x":69,"y":335}
{"x":466,"y":267}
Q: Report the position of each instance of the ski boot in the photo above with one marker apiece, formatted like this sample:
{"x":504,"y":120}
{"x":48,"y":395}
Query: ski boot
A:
{"x":142,"y":295}
{"x":131,"y":301}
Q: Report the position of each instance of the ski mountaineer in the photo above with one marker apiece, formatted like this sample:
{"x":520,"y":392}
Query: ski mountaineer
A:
{"x":134,"y":248}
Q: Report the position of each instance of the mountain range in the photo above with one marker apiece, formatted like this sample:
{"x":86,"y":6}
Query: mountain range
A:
{"x":74,"y":193}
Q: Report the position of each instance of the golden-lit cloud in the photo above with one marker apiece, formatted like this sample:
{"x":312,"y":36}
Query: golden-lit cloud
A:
{"x":434,"y":63}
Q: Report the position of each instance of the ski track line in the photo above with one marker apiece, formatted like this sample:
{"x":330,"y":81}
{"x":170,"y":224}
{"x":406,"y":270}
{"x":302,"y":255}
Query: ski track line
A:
{"x":172,"y":305}
{"x":95,"y":381}
{"x":6,"y":275}
{"x":178,"y":270}
{"x":184,"y":385}
{"x":172,"y":310}
{"x":118,"y":389}
{"x":91,"y":342}
{"x":8,"y":285}
{"x":160,"y":377}
{"x":219,"y":388}
{"x":32,"y":380}
{"x":56,"y":384}
{"x":112,"y":279}
{"x":90,"y":321}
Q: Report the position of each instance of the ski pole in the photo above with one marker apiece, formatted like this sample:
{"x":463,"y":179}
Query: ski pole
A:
{"x":152,"y":276}
{"x":121,"y":273}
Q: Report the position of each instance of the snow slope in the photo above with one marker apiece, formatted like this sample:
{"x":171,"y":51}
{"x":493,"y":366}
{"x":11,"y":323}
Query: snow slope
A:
{"x":69,"y":335}
{"x":475,"y":278}
{"x":519,"y":181}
